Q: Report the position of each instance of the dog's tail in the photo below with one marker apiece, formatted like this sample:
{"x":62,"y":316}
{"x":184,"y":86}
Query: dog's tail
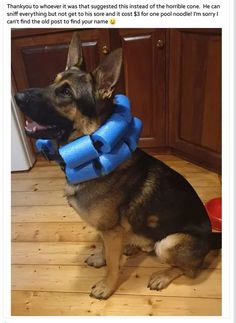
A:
{"x":216,"y":240}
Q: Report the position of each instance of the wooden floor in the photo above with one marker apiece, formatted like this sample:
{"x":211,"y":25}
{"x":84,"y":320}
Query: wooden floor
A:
{"x":50,"y":243}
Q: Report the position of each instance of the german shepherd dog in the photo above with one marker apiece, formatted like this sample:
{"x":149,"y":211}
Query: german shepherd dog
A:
{"x":143,"y":203}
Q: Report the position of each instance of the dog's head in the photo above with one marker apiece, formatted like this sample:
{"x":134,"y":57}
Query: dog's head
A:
{"x":76,"y":103}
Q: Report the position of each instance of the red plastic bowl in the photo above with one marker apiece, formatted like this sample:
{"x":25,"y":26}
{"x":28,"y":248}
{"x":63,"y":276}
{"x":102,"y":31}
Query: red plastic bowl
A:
{"x":214,"y":210}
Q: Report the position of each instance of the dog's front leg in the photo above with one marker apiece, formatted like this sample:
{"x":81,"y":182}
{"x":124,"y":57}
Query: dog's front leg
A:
{"x":97,"y":259}
{"x":113,"y":243}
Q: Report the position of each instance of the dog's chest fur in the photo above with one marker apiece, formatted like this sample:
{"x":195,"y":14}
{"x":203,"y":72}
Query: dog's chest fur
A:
{"x":99,"y":201}
{"x":101,"y":213}
{"x":96,"y":203}
{"x":99,"y":206}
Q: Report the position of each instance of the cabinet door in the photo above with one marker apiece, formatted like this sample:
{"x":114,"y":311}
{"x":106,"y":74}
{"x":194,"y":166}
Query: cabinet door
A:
{"x":195,"y":94}
{"x":144,"y":77}
{"x":37,"y":57}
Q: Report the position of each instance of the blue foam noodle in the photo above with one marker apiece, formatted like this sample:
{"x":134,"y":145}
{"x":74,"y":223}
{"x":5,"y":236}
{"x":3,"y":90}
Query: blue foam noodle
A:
{"x":122,"y":99}
{"x":113,"y":159}
{"x":110,"y":133}
{"x":42,"y":144}
{"x":133,"y":134}
{"x":82,"y":173}
{"x":78,"y":152}
{"x":123,"y":106}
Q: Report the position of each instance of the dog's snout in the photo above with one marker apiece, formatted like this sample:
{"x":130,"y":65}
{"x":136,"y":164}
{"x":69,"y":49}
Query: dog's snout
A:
{"x":21,"y":98}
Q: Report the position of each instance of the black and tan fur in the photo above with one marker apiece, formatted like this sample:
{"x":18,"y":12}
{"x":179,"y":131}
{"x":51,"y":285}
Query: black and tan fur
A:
{"x":143,"y":203}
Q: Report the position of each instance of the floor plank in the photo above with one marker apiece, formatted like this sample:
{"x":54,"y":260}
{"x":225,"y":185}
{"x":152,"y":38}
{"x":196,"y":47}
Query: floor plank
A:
{"x":38,"y":184}
{"x":134,"y":280}
{"x":39,"y":172}
{"x":67,"y":253}
{"x":38,"y":198}
{"x":44,"y":213}
{"x":52,"y":232}
{"x":54,"y":303}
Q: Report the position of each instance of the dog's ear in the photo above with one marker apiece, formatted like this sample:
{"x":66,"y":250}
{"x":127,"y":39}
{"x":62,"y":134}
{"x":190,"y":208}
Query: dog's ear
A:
{"x":107,"y":74}
{"x":75,"y":55}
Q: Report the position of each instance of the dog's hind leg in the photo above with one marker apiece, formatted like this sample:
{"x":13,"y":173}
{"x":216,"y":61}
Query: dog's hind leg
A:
{"x":162,"y":279}
{"x":130,"y":250}
{"x":184,"y":253}
{"x":113,"y":242}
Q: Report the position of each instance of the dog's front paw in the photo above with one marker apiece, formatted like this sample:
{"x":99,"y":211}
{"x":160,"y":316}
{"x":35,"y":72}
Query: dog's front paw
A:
{"x":158,"y":281}
{"x":96,"y":260}
{"x":101,"y":290}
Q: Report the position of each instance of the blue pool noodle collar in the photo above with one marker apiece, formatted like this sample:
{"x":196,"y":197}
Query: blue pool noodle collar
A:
{"x":117,"y":138}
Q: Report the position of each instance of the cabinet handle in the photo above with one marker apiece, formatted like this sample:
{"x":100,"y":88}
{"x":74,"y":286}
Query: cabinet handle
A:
{"x":105,"y":50}
{"x":160,"y":43}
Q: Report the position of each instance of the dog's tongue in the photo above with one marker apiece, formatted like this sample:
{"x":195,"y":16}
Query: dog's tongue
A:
{"x":34,"y":126}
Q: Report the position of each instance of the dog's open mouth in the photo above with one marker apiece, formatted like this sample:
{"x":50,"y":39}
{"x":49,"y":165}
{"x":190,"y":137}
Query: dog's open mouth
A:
{"x":33,"y":127}
{"x":36,"y":130}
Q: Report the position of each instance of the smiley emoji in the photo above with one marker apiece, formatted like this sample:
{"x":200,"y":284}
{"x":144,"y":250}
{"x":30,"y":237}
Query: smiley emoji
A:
{"x":112,"y":21}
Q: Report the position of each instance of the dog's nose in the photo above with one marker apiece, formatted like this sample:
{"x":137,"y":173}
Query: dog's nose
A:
{"x":21,"y":98}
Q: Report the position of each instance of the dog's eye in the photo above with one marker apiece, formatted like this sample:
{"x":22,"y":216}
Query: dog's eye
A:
{"x":64,"y":91}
